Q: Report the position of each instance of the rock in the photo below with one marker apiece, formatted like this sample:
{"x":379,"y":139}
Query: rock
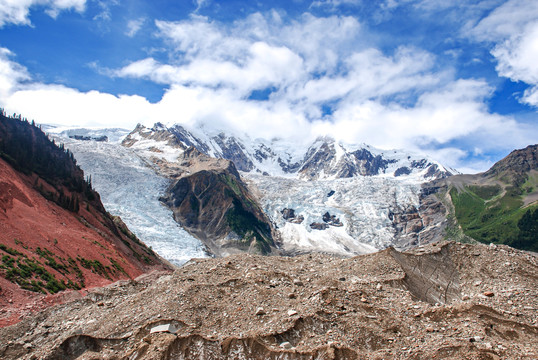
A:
{"x":260,"y":311}
{"x":319,"y":226}
{"x":489,"y":294}
{"x":297,"y":282}
{"x":169,"y":328}
{"x":292,"y":296}
{"x":286,"y":345}
{"x":465,"y":297}
{"x":288,"y":214}
{"x":292,"y":312}
{"x":379,"y":287}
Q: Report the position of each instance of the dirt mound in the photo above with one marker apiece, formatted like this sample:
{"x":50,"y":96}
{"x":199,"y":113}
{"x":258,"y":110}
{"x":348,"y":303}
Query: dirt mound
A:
{"x":449,"y":301}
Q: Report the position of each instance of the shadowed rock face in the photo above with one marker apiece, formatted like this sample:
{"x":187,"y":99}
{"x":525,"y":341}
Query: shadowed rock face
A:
{"x":215,"y":207}
{"x":422,"y":225}
{"x":517,"y":164}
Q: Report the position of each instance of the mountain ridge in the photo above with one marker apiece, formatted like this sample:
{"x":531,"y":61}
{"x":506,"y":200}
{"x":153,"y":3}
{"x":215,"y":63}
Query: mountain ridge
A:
{"x":325,"y":158}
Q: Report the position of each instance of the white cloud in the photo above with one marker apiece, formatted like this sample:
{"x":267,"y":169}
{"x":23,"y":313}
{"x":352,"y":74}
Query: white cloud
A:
{"x":335,"y":3}
{"x":512,"y":28}
{"x":451,"y":112}
{"x":56,"y":104}
{"x":11,"y":74}
{"x":200,"y":4}
{"x":397,"y":99}
{"x":134,"y":26}
{"x":17,"y":11}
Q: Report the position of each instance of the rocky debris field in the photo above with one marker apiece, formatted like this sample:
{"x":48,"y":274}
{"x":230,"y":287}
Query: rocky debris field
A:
{"x":441,"y":301}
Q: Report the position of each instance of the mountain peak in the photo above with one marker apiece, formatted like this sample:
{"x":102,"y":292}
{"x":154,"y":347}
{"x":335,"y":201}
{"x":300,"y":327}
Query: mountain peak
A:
{"x":323,"y":159}
{"x":516,"y":164}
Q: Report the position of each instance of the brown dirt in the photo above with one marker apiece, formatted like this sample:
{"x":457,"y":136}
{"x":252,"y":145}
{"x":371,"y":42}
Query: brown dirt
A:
{"x":450,"y":301}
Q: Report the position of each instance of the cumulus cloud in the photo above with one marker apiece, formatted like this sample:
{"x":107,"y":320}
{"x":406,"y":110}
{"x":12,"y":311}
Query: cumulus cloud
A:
{"x":11,"y":73}
{"x":57,"y":104}
{"x":17,"y":11}
{"x":512,"y":28}
{"x":320,"y":76}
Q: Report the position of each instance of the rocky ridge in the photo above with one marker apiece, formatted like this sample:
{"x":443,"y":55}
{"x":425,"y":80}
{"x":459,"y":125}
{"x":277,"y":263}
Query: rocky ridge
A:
{"x":488,"y":206}
{"x":323,"y":159}
{"x":448,"y":301}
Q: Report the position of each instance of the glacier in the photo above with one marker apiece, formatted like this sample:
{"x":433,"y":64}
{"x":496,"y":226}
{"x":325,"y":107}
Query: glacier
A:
{"x":364,"y":189}
{"x":362,"y":204}
{"x":130,"y":188}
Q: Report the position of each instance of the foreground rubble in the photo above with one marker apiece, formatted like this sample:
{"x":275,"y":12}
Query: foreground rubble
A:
{"x":445,"y":301}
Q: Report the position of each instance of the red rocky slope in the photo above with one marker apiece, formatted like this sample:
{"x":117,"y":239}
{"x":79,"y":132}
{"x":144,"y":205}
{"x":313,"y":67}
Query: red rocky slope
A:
{"x":48,"y":249}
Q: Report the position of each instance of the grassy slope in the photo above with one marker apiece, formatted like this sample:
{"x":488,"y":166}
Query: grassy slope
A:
{"x":490,"y":213}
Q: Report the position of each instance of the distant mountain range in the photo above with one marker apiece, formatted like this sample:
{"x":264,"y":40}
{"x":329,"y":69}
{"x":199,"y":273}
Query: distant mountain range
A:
{"x":342,"y":195}
{"x":324,"y":159}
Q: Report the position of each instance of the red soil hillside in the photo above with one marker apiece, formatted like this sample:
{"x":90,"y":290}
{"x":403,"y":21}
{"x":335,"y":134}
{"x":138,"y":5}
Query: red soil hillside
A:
{"x":49,"y":249}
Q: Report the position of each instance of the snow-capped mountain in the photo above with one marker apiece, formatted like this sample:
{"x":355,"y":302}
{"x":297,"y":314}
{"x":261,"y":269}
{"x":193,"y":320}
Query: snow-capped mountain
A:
{"x":323,"y":159}
{"x":325,"y":196}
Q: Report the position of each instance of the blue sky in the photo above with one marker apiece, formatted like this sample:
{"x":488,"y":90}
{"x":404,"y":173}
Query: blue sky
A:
{"x":457,"y":80}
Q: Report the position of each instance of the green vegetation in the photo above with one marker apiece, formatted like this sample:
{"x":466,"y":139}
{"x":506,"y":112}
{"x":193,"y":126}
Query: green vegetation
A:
{"x":248,"y":226}
{"x":485,"y":192}
{"x":50,"y":261}
{"x":9,"y":250}
{"x":232,"y":183}
{"x":488,"y":215}
{"x":30,"y":274}
{"x":117,"y":266}
{"x":96,"y":267}
{"x":528,"y":231}
{"x":24,"y":271}
{"x":531,"y":184}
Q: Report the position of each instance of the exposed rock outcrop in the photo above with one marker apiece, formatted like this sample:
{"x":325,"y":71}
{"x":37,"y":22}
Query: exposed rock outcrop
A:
{"x":215,"y":206}
{"x":486,"y":207}
{"x":289,"y":215}
{"x":324,"y":158}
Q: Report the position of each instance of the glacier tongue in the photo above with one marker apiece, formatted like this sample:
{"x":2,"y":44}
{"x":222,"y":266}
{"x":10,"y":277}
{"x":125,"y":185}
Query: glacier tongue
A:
{"x":130,"y":189}
{"x":362,"y":204}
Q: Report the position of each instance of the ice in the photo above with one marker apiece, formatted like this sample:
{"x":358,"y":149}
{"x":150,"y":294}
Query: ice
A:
{"x":362,"y":204}
{"x":129,"y":188}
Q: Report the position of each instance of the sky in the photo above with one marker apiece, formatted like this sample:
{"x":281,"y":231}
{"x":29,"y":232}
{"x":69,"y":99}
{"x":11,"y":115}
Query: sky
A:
{"x":457,"y":80}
